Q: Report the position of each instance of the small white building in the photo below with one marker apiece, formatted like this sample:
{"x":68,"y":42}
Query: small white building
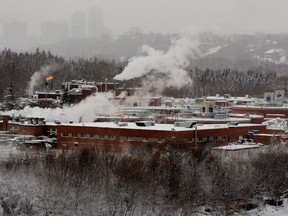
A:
{"x":274,"y":96}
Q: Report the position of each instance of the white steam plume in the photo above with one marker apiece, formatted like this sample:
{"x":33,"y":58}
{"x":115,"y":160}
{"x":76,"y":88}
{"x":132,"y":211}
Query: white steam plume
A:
{"x":85,"y":111}
{"x":36,"y":78}
{"x":172,"y":62}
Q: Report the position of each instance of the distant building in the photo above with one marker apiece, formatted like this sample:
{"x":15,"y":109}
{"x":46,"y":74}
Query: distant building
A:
{"x":54,"y":31}
{"x":15,"y":31}
{"x":78,"y":25}
{"x":207,"y":106}
{"x":274,"y":96}
{"x":77,"y":90}
{"x":95,"y":23}
{"x":269,"y":96}
{"x":266,"y":111}
{"x":279,"y":94}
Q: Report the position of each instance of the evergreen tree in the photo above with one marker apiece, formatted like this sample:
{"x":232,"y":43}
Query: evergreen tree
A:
{"x":64,"y":98}
{"x":10,"y":99}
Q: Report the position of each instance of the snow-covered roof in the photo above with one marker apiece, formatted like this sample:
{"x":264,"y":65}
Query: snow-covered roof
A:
{"x":158,"y":127}
{"x":234,"y":147}
{"x":213,"y":50}
{"x":274,"y":50}
{"x":284,"y":106}
{"x":267,"y":135}
{"x":213,"y":119}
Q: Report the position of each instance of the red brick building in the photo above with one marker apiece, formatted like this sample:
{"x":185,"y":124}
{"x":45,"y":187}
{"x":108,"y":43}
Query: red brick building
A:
{"x":267,"y":112}
{"x":120,"y":136}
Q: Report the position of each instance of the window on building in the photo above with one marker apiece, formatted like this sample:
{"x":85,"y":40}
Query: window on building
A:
{"x":190,"y":140}
{"x":74,"y":135}
{"x":229,"y":139}
{"x":129,"y":138}
{"x":139,"y":139}
{"x":210,"y":109}
{"x":268,"y":98}
{"x":52,"y":130}
{"x":101,"y":137}
{"x":210,"y":138}
{"x":64,"y":134}
{"x":110,"y":137}
{"x":145,"y":140}
{"x":203,"y":109}
{"x":122,"y":138}
{"x":153,"y":140}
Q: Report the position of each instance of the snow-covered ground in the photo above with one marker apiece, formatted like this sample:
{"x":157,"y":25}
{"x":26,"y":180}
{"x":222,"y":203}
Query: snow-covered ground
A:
{"x":7,"y":147}
{"x":269,"y":210}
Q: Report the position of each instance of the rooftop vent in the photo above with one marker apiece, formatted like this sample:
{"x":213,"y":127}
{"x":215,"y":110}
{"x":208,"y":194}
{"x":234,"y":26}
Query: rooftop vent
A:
{"x":122,"y":124}
{"x":57,"y":121}
{"x":187,"y":124}
{"x":226,"y":96}
{"x":233,"y":124}
{"x":144,"y":123}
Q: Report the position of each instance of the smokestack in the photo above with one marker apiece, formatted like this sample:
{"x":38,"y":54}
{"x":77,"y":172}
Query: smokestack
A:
{"x":49,"y":78}
{"x":106,"y":85}
{"x":36,"y":78}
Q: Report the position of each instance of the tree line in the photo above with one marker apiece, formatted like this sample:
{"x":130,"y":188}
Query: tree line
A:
{"x":19,"y":67}
{"x":252,"y":82}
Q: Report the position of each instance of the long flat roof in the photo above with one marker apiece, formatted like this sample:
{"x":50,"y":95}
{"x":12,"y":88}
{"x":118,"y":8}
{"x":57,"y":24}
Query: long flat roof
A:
{"x":230,"y":119}
{"x":158,"y":127}
{"x":285,"y":106}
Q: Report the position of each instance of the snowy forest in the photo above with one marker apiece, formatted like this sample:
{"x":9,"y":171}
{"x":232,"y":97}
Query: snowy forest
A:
{"x":17,"y":68}
{"x":163,"y":180}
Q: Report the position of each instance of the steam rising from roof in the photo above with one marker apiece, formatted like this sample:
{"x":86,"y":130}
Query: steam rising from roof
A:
{"x":172,"y":62}
{"x":36,"y":78}
{"x":85,"y":111}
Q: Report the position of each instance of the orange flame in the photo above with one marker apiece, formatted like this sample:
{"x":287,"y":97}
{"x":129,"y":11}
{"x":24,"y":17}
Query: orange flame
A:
{"x":49,"y":78}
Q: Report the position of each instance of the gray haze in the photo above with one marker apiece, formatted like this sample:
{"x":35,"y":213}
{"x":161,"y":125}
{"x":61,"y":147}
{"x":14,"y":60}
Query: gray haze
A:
{"x":166,"y":16}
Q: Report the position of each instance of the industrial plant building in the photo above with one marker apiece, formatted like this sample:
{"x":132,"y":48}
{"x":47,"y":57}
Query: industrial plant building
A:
{"x":120,"y":136}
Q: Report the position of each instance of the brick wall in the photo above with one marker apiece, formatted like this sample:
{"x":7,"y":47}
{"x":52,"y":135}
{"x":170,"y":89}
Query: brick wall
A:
{"x":120,"y":138}
{"x":265,"y":139}
{"x":260,"y":111}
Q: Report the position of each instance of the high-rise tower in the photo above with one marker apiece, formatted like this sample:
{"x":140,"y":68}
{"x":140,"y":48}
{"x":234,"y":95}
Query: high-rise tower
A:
{"x":95,"y":23}
{"x":78,"y":25}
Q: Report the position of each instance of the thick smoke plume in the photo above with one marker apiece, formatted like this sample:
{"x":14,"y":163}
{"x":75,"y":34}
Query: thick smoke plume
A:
{"x":172,"y":63}
{"x":37,"y":77}
{"x":86,"y":111}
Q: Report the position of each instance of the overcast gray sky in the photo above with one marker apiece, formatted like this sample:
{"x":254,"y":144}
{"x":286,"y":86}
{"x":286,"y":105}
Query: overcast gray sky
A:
{"x":239,"y":16}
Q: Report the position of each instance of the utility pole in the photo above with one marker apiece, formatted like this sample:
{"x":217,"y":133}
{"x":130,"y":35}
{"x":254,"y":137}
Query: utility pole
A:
{"x":195,"y":137}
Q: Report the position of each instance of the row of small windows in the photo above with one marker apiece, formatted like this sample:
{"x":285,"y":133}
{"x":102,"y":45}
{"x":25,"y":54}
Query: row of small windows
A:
{"x":139,"y":139}
{"x":191,"y":140}
{"x":88,"y":136}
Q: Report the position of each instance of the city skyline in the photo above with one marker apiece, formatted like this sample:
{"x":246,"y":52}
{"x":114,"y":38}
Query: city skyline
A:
{"x":80,"y":25}
{"x":225,"y":16}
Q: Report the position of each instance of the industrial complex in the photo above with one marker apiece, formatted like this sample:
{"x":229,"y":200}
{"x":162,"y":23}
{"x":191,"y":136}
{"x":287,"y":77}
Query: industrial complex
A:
{"x":151,"y":121}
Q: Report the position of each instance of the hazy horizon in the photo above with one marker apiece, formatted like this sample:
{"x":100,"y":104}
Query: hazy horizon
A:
{"x":223,"y":16}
